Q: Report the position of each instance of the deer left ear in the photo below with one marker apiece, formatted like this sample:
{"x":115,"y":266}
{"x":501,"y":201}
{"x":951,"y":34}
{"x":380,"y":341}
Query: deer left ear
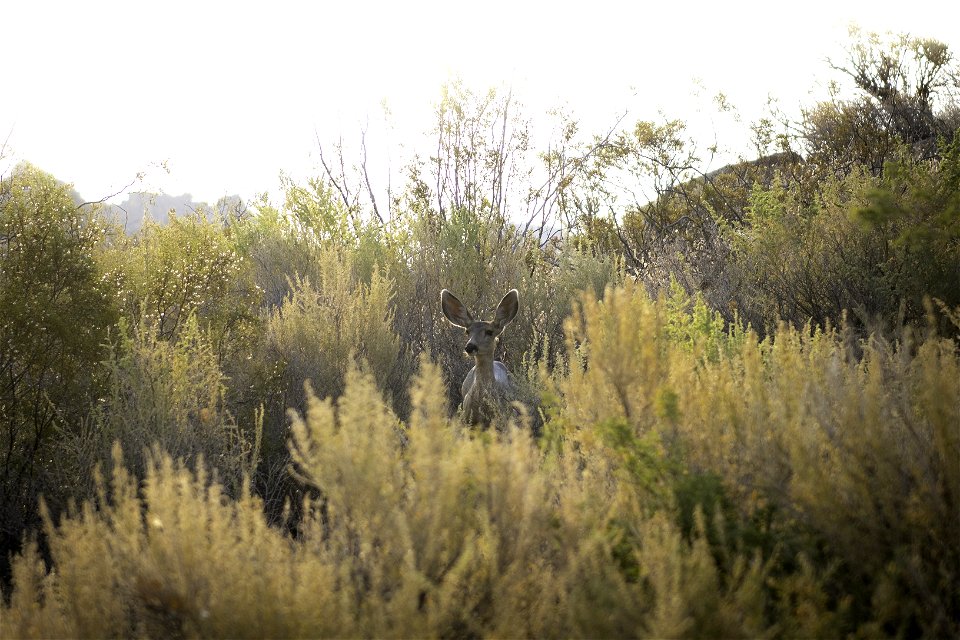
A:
{"x":454,"y":310}
{"x":507,"y":309}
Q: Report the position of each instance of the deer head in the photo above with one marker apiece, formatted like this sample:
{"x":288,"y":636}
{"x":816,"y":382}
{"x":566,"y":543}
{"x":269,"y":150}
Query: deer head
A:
{"x":482,"y":336}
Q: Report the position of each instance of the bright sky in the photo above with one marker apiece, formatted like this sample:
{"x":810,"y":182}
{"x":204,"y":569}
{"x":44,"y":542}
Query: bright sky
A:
{"x":229,"y":94}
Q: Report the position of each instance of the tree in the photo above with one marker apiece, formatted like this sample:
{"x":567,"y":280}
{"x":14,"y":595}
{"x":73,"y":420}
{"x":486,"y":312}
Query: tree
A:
{"x":189,"y":265}
{"x":55,"y":311}
{"x":906,"y":92}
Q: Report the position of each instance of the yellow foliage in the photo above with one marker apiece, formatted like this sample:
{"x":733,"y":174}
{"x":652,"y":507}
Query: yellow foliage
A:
{"x":775,"y":488}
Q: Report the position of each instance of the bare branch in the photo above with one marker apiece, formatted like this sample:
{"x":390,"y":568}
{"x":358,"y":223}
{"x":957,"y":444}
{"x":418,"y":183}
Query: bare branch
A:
{"x":138,"y":177}
{"x":341,"y":188}
{"x":366,"y":174}
{"x":557,"y":180}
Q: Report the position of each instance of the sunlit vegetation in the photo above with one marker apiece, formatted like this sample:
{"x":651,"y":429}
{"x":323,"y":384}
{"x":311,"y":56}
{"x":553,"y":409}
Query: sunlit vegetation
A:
{"x":738,"y":400}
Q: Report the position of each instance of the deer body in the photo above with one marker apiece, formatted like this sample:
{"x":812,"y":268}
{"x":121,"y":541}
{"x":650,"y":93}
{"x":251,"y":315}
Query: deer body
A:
{"x":486,"y":389}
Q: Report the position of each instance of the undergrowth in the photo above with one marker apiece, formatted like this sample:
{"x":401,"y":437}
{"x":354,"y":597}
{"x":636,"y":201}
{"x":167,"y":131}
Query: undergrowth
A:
{"x":691,"y":480}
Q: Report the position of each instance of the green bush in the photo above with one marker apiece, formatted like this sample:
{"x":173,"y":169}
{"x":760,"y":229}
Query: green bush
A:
{"x":55,"y":311}
{"x":871,"y":246}
{"x":189,"y":266}
{"x":798,"y":260}
{"x":916,"y":209}
{"x":843,"y":471}
{"x":324,"y":326}
{"x":165,"y":394}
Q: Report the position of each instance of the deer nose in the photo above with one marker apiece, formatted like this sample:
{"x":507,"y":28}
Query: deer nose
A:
{"x":470,"y":348}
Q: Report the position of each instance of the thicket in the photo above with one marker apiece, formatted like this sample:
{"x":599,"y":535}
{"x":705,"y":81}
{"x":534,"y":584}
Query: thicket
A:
{"x":740,"y":398}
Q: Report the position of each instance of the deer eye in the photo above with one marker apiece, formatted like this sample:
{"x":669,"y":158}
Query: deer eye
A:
{"x":489,"y":332}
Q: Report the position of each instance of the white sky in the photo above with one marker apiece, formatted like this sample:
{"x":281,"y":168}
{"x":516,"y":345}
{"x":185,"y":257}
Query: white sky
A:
{"x":229,"y":94}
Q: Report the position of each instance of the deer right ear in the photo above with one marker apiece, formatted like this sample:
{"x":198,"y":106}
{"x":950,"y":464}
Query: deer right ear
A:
{"x":507,"y":309}
{"x":454,"y":310}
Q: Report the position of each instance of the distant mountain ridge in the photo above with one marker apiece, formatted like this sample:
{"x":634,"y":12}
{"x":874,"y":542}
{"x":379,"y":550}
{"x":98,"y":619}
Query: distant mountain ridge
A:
{"x":140,"y":206}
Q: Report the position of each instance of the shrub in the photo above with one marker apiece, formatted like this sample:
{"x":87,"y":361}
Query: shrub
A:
{"x":915,"y":208}
{"x":419,"y":529}
{"x":871,"y":246}
{"x":323,"y":326}
{"x":175,"y":558}
{"x":162,"y":394}
{"x":189,"y":266}
{"x":55,"y":310}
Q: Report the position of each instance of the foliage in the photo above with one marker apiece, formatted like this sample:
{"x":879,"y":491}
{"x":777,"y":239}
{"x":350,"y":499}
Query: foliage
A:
{"x":916,"y":207}
{"x":737,"y":401}
{"x":849,"y":464}
{"x":322,"y":327}
{"x":873,"y":246}
{"x":906,"y":89}
{"x":55,"y":309}
{"x":790,"y":445}
{"x":672,"y":220}
{"x":799,"y":261}
{"x":189,"y":266}
{"x":422,"y":527}
{"x":428,"y":532}
{"x":165,"y":394}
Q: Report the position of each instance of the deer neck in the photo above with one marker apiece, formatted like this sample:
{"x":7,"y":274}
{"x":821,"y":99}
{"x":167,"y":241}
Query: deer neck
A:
{"x":480,"y":402}
{"x":484,"y":371}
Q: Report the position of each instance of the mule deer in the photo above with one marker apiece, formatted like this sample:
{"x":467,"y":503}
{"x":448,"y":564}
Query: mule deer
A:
{"x":486,"y":388}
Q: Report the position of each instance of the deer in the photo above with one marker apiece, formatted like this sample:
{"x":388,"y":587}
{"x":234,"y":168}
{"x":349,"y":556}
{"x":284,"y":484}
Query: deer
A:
{"x":486,"y":389}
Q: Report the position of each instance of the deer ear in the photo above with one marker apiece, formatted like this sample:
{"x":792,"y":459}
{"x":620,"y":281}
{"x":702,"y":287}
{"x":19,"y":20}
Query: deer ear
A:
{"x":507,"y":309}
{"x":454,"y":310}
